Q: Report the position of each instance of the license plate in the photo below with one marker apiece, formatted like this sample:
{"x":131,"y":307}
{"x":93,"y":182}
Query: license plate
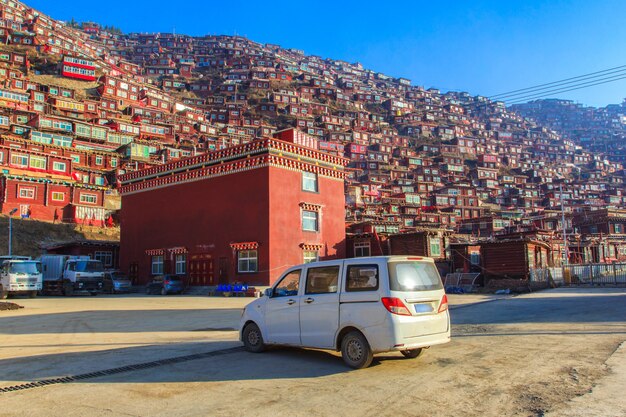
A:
{"x":423,"y":308}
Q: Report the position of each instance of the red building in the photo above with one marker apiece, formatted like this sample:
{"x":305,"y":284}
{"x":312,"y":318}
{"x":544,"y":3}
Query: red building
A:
{"x":79,"y":68}
{"x":243,"y":213}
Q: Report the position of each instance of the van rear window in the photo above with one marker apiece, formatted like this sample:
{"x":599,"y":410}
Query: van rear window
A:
{"x":413,"y":276}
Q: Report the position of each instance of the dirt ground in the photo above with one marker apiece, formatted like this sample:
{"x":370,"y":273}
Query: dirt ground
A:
{"x":549,"y":353}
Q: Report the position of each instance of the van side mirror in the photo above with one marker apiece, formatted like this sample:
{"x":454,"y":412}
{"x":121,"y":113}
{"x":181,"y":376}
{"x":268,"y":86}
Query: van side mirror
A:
{"x":269,"y":292}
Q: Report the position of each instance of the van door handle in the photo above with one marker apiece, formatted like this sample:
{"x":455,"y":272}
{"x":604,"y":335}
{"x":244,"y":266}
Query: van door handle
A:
{"x":309,"y":300}
{"x":290,"y":302}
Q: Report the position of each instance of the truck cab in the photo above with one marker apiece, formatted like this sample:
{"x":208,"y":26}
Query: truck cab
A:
{"x":20,"y":277}
{"x":72,"y":274}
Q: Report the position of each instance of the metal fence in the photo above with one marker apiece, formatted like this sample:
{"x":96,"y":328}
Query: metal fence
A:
{"x":592,"y":274}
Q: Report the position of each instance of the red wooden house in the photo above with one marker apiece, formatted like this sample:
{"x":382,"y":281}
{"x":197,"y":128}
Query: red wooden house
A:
{"x":79,"y":68}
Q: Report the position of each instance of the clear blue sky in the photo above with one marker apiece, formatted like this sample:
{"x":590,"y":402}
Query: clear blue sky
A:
{"x":483,"y":47}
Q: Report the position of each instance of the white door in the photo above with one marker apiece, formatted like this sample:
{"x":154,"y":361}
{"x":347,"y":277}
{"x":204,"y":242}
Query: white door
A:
{"x":282,"y":311}
{"x":319,"y":306}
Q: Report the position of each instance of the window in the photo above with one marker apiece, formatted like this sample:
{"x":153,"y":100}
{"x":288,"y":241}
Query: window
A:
{"x":88,"y":198}
{"x":181,"y":264}
{"x":362,"y":278}
{"x":27,"y":192}
{"x":76,"y":159}
{"x":435,"y":246}
{"x":309,"y":181}
{"x":619,"y":228}
{"x":247,"y":261}
{"x":157,"y":265}
{"x":288,"y":286}
{"x":310,"y":221}
{"x":59,"y":166}
{"x":310,"y":256}
{"x":322,"y":280}
{"x":38,"y":162}
{"x":105,"y":257}
{"x":361,"y":249}
{"x":58,"y":196}
{"x":19,"y":160}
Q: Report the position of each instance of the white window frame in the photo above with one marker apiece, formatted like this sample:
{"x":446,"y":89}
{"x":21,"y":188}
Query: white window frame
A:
{"x":106,"y":257}
{"x":56,"y":166}
{"x":37,"y":162}
{"x":310,"y":182}
{"x":86,"y":198}
{"x":55,"y":194}
{"x":362,"y":249}
{"x":22,"y":157}
{"x":309,"y":216}
{"x":157,"y":265}
{"x":437,"y":241}
{"x":247,"y":261}
{"x":26,"y":192}
{"x":309,"y":256}
{"x":181,"y":264}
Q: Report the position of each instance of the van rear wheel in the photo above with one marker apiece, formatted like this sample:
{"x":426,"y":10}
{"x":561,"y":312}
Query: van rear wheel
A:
{"x":412,"y":353}
{"x":253,"y":339}
{"x":356,"y":351}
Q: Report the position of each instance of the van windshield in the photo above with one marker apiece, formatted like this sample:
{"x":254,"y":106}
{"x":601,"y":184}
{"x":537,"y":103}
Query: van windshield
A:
{"x":413,"y":276}
{"x":25,"y":268}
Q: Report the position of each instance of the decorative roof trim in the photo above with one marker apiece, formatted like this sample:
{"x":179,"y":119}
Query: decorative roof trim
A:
{"x":155,"y":252}
{"x":244,"y":245}
{"x":310,"y":206}
{"x":311,"y":246}
{"x":178,"y":251}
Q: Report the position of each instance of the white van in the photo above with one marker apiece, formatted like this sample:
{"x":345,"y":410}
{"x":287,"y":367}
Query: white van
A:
{"x":358,"y":306}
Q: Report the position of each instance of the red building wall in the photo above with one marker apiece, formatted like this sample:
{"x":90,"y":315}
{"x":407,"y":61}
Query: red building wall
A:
{"x":286,"y":222}
{"x":204,"y":217}
{"x":213,"y":217}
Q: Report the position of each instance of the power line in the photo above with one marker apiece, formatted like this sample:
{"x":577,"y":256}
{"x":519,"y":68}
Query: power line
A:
{"x":494,"y":97}
{"x":548,"y":93}
{"x":565,"y":84}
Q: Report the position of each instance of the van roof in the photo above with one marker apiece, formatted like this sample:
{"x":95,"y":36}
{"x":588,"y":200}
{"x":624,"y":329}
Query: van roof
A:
{"x":365,"y":259}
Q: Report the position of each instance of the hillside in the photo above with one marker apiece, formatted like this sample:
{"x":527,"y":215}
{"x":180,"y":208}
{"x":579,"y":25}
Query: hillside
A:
{"x":109,"y":103}
{"x":30,"y":235}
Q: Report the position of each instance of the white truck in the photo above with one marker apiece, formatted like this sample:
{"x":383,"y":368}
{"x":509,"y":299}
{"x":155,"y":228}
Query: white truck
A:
{"x":19,"y":275}
{"x":68,"y":274}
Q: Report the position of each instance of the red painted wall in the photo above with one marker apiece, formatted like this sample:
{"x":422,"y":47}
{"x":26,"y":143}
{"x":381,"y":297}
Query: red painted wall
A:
{"x":203,"y":216}
{"x":286,"y":222}
{"x":261,"y":205}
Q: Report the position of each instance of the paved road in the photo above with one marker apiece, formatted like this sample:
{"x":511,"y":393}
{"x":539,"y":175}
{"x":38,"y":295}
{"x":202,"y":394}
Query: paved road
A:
{"x":523,"y":355}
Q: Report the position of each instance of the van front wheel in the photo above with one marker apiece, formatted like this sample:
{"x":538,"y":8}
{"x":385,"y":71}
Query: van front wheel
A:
{"x":355,"y":350}
{"x":253,"y":339}
{"x":412,"y":353}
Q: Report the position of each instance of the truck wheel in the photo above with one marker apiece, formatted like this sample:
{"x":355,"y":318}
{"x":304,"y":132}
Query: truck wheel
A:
{"x":93,"y":293}
{"x":68,"y":290}
{"x":3,"y":294}
{"x":163,"y":291}
{"x":355,"y":350}
{"x":253,"y":339}
{"x":32,"y":294}
{"x":412,"y":353}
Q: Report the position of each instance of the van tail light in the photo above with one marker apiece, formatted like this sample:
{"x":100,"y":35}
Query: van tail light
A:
{"x":166,"y":282}
{"x":395,"y":306}
{"x":443,"y":305}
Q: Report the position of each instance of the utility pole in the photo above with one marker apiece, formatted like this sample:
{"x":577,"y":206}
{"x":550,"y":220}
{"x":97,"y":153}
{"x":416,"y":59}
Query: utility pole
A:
{"x":564,"y":259}
{"x":11,"y":213}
